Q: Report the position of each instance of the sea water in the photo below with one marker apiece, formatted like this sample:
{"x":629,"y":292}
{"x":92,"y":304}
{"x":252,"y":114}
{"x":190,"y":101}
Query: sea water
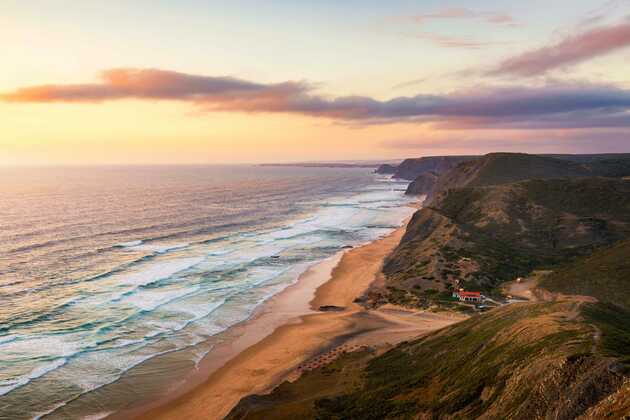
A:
{"x":104,"y":269}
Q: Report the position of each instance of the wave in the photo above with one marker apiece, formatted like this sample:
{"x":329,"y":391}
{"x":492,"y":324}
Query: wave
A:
{"x":149,"y":303}
{"x":129,"y":244}
{"x":158,"y":249}
{"x":8,"y":386}
{"x":135,"y":281}
{"x":38,"y":372}
{"x":151,"y":275}
{"x":8,"y":338}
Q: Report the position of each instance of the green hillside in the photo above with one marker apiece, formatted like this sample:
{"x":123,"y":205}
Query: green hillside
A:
{"x":482,"y":236}
{"x":605,"y":274}
{"x":525,"y":361}
{"x":505,"y":168}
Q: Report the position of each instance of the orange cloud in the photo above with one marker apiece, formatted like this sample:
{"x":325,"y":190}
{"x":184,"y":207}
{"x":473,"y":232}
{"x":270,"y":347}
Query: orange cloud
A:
{"x":156,"y":84}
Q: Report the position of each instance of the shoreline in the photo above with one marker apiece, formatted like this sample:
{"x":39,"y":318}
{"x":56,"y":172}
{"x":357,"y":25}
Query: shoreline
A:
{"x":264,"y":351}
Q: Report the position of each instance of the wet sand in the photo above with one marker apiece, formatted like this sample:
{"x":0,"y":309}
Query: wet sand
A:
{"x":266,"y":350}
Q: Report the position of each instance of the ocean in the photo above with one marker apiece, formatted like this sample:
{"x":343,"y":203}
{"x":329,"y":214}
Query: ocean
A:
{"x":104,"y":269}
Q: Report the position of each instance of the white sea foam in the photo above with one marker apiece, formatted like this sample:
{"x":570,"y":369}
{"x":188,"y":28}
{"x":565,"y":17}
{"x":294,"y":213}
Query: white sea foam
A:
{"x":128,"y":244}
{"x":150,"y":273}
{"x":98,"y":416}
{"x":38,"y":372}
{"x":41,"y":346}
{"x":159,"y":248}
{"x":149,"y":300}
{"x":8,"y":338}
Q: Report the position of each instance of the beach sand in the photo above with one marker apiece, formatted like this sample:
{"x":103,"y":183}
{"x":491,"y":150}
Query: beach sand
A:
{"x":266,"y":350}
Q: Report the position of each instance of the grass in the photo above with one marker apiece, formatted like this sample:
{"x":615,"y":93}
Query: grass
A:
{"x":535,"y":239}
{"x":614,"y":323}
{"x":605,"y":274}
{"x":511,"y":362}
{"x":447,"y":372}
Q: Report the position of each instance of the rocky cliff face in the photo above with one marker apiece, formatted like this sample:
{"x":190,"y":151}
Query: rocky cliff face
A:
{"x":424,"y":184}
{"x":482,"y":236}
{"x":386,"y":169}
{"x":410,"y":168}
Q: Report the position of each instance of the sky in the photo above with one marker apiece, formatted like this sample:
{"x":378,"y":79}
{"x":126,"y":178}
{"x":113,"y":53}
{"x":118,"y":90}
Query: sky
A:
{"x":195,"y":82}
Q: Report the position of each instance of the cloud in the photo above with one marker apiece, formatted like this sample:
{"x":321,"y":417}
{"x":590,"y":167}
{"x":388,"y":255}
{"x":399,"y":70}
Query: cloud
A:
{"x":552,"y":105}
{"x":409,"y":83}
{"x":155,"y":84}
{"x":460,"y":13}
{"x":570,"y":51}
{"x":451,"y":41}
{"x":464,"y":13}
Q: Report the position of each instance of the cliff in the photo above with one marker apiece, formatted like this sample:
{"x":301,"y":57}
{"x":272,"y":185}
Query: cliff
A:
{"x":504,"y":168}
{"x":386,"y":169}
{"x":410,"y":168}
{"x":482,"y":236}
{"x":424,"y":184}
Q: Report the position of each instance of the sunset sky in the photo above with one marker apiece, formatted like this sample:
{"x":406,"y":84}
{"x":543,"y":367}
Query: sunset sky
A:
{"x":120,"y":82}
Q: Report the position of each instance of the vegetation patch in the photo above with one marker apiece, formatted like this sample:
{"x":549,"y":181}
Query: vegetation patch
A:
{"x":605,"y":274}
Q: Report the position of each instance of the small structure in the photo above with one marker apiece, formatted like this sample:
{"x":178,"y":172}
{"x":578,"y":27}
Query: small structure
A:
{"x":464,"y":296}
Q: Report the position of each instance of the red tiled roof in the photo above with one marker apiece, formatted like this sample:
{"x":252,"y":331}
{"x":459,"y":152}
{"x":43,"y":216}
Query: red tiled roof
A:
{"x":470,"y":294}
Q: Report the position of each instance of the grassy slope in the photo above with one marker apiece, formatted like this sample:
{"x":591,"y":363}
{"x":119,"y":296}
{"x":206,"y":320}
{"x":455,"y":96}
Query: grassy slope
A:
{"x":508,"y":230}
{"x":503,"y":168}
{"x":605,"y":274}
{"x":297,"y":400}
{"x":522,"y":361}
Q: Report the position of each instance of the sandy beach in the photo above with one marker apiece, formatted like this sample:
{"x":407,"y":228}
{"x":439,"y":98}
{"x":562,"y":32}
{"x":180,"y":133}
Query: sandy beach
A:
{"x":266,"y":350}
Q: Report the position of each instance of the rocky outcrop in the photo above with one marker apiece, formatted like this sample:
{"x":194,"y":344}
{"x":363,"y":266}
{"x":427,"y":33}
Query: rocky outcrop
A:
{"x":424,"y":184}
{"x":386,"y":169}
{"x":410,"y":168}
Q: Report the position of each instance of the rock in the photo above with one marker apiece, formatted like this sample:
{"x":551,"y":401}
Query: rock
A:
{"x":410,"y":168}
{"x":331,"y":308}
{"x":424,"y":184}
{"x":385,"y":169}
